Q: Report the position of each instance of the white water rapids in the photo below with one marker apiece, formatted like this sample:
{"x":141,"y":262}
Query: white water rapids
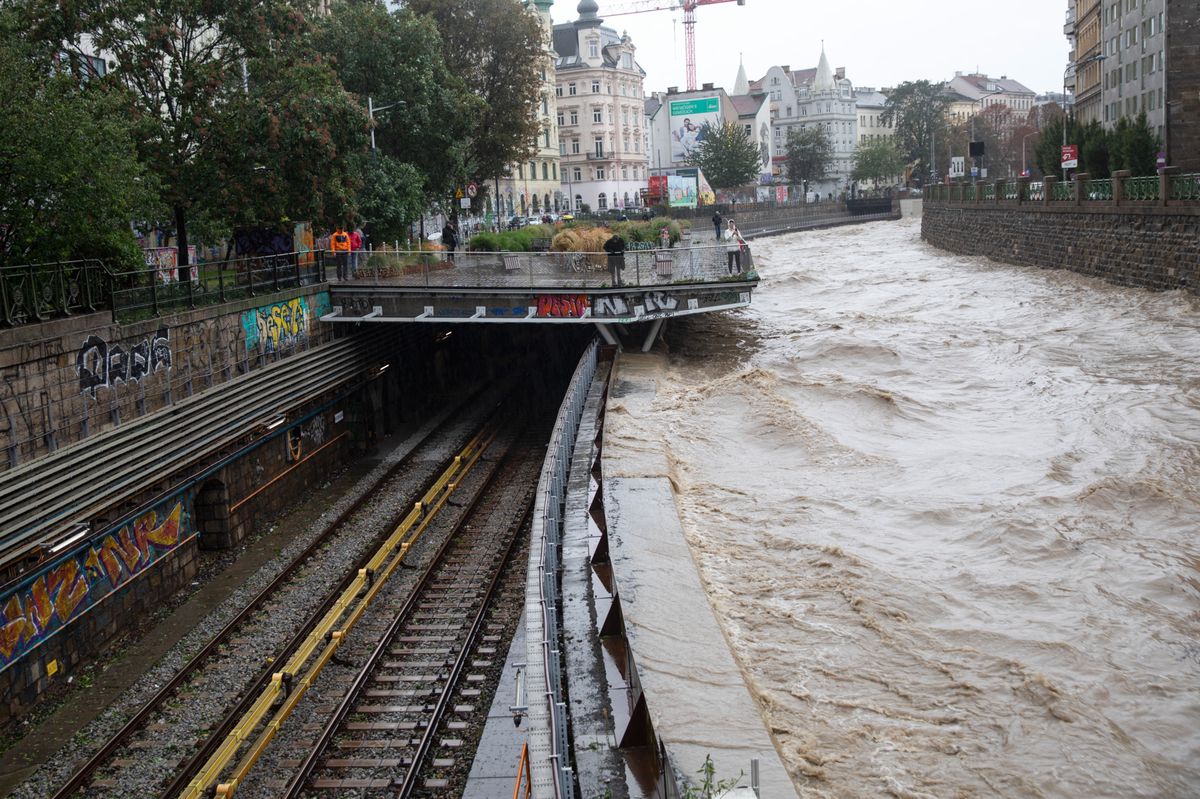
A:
{"x":946,"y":510}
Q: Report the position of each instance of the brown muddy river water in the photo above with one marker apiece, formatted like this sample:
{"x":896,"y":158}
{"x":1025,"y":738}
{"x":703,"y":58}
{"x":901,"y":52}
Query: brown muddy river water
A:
{"x":947,"y":511}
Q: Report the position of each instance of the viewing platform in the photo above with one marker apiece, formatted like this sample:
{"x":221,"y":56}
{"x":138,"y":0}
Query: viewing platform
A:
{"x":542,"y":287}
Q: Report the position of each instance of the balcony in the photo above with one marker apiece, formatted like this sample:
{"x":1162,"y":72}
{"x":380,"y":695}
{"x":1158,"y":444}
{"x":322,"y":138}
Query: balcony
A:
{"x":599,"y":157}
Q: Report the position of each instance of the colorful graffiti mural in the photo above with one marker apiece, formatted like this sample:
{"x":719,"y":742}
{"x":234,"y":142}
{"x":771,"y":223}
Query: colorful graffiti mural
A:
{"x":276,"y":326}
{"x":562,"y":306}
{"x":44,"y":603}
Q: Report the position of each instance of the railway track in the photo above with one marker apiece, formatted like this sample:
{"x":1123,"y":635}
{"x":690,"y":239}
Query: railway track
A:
{"x":242,"y":646}
{"x":407,"y":721}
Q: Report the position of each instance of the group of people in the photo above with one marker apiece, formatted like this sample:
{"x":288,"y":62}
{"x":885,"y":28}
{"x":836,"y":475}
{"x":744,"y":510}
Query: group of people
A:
{"x":346,"y":246}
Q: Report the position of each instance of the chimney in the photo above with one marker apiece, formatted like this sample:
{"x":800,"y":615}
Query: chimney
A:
{"x":672,"y":90}
{"x":786,"y":68}
{"x":706,"y":87}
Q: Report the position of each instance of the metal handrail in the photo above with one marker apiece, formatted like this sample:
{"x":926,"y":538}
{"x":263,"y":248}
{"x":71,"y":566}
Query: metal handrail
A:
{"x":1142,"y":188}
{"x":36,"y":292}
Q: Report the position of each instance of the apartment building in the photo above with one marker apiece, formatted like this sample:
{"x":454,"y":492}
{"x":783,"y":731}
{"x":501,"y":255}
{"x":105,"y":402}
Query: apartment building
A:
{"x":533,"y":187}
{"x":1135,"y":59}
{"x":603,"y":150}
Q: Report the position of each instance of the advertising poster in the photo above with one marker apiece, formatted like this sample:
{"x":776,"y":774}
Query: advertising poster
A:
{"x":682,"y":191}
{"x":688,"y":118}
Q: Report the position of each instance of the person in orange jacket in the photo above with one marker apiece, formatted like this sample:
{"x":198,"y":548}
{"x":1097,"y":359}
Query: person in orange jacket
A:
{"x":339,"y":242}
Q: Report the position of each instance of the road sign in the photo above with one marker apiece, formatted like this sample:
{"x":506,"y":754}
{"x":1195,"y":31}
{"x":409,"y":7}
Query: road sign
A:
{"x":958,"y":166}
{"x":472,"y":189}
{"x":458,"y":194}
{"x":1161,"y":161}
{"x":974,"y":171}
{"x":1070,"y":156}
{"x":464,"y":202}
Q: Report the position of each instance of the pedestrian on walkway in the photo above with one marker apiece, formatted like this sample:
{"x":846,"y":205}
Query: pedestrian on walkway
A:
{"x":664,"y":239}
{"x":717,"y":221}
{"x":356,"y":245}
{"x":449,"y":239}
{"x":615,"y":247}
{"x":339,"y":242}
{"x":733,"y":247}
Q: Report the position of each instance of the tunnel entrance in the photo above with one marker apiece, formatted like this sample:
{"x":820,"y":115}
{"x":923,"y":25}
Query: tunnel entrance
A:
{"x":212,"y":515}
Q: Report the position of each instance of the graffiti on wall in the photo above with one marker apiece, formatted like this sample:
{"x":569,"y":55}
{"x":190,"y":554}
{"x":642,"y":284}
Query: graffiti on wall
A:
{"x":99,"y":363}
{"x":562,"y":306}
{"x":650,"y":302}
{"x":43,"y":604}
{"x":276,"y":326}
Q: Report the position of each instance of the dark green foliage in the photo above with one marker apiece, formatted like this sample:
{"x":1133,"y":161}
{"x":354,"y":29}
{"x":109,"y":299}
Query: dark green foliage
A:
{"x":916,"y":111}
{"x":727,"y":156}
{"x":497,"y":48}
{"x":1134,"y":146}
{"x":808,"y":155}
{"x":1130,"y":145}
{"x":69,"y":178}
{"x":878,"y":161}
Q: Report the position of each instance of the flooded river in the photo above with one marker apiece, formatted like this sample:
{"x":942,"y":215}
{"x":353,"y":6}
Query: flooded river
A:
{"x":947,"y":511}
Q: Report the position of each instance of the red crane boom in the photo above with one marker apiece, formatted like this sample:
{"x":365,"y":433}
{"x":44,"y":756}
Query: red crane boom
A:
{"x":689,"y":23}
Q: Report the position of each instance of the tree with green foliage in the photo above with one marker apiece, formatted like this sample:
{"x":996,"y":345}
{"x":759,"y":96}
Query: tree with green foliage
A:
{"x":915,"y":111}
{"x":391,"y":196}
{"x":878,"y":161}
{"x":396,"y":59}
{"x":1094,"y":151}
{"x":727,"y":156}
{"x":69,"y":174}
{"x":808,"y":154}
{"x":1134,"y":146}
{"x":498,"y":49}
{"x":205,"y":75}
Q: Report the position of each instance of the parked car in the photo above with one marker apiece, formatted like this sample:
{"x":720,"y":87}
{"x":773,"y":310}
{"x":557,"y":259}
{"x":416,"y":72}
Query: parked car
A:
{"x":1036,"y":190}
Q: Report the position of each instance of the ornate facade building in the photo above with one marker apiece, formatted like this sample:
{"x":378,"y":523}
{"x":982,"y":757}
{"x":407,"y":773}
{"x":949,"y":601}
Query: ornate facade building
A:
{"x":600,"y":116}
{"x":820,"y":96}
{"x":531,"y":188}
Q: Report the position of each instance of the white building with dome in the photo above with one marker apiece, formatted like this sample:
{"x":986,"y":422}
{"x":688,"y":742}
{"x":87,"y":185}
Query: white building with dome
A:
{"x":603,"y":146}
{"x":820,"y":96}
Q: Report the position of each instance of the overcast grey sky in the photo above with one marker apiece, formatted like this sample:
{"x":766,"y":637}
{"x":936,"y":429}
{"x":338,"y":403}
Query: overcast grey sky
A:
{"x":879,"y":42}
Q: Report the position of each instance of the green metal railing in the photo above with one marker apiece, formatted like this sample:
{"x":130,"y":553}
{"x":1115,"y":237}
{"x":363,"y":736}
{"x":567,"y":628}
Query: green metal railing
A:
{"x":1062,"y":191}
{"x":1185,"y":187}
{"x":1011,"y":190}
{"x":987,"y":191}
{"x":968,"y":192}
{"x":36,"y":292}
{"x":1099,"y":189}
{"x":1143,"y":188}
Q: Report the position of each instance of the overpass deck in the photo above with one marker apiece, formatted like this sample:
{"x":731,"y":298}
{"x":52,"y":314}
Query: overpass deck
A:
{"x":550,"y":287}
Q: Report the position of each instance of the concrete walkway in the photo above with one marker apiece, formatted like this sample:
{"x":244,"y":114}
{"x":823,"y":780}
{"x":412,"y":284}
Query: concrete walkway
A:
{"x":695,"y":692}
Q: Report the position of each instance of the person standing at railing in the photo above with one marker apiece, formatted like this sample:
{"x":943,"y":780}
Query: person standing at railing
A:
{"x":615,"y":247}
{"x":733,"y":247}
{"x":449,"y":239}
{"x":339,"y":242}
{"x":356,"y":245}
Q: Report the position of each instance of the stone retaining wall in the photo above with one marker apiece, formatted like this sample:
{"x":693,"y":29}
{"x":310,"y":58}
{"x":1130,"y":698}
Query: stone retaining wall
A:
{"x":1145,"y":246}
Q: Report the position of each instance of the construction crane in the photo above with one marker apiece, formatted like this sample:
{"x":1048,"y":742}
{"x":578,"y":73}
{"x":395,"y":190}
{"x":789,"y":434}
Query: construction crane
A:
{"x":689,"y":22}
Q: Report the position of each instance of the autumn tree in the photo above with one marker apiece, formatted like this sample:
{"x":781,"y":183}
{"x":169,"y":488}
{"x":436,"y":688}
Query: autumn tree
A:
{"x":727,"y":156}
{"x":498,"y":49}
{"x":808,"y":154}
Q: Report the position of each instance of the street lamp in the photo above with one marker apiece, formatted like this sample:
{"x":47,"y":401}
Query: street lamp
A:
{"x":373,"y":109}
{"x":1090,"y":59}
{"x":980,"y":100}
{"x":1024,"y":163}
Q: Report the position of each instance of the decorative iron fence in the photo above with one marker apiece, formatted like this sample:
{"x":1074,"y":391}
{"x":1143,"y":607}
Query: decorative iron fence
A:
{"x":1010,"y":189}
{"x":1185,"y":187}
{"x":1143,"y":188}
{"x":36,"y":292}
{"x":1063,"y":191}
{"x":143,"y":293}
{"x":1099,"y":189}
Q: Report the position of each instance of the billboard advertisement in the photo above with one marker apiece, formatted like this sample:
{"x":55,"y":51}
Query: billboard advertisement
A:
{"x":687,"y":120}
{"x":682,"y":191}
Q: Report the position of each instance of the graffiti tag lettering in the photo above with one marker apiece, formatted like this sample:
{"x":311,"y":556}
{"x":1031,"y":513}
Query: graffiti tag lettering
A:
{"x":660,"y":301}
{"x":282,"y":324}
{"x":99,"y":363}
{"x":45,"y":602}
{"x":562,"y":306}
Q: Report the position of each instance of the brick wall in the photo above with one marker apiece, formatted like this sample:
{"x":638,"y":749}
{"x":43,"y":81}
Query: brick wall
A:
{"x":1154,"y":248}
